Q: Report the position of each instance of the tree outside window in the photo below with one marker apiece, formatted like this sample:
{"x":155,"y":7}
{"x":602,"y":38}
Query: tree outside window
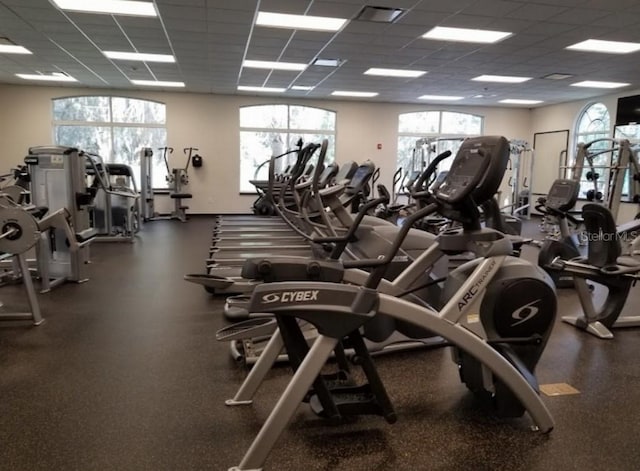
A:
{"x":116,"y":128}
{"x":425,"y":134}
{"x":267,"y":130}
{"x":594,"y":123}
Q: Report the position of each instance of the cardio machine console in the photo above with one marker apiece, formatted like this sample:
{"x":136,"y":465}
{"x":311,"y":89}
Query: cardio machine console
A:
{"x":360,"y":178}
{"x":478,"y":168}
{"x":563,"y":195}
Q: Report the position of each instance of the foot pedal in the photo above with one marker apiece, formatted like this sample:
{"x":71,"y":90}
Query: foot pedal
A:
{"x":259,"y":327}
{"x":350,"y":401}
{"x":334,"y":381}
{"x":237,"y":307}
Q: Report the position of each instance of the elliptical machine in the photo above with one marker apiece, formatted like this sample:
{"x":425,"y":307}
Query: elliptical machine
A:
{"x":496,"y":350}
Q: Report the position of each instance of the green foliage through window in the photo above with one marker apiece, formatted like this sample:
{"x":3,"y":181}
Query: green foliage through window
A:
{"x":116,"y":128}
{"x":594,"y":123}
{"x":267,"y":130}
{"x":423,"y":134}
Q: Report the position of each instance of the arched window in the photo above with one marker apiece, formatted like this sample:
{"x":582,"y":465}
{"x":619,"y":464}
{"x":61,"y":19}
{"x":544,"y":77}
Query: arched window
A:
{"x":267,"y":130}
{"x":427,"y":133}
{"x":632,"y":133}
{"x":116,"y":128}
{"x":593,"y":123}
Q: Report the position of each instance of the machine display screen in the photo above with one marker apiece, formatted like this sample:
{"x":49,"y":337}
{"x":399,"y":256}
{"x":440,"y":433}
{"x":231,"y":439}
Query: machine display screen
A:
{"x":468,"y":165}
{"x":562,"y":192}
{"x":360,"y":177}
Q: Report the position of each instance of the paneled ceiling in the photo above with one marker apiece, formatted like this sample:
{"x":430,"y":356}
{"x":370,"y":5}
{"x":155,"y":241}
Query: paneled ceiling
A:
{"x":211,"y":38}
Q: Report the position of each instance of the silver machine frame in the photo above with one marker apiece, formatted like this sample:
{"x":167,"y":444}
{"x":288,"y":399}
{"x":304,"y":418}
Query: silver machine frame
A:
{"x":520,"y":177}
{"x":589,"y":319}
{"x":177,"y":178}
{"x":59,"y":181}
{"x":107,"y":198}
{"x":626,"y":159}
{"x":459,"y":326}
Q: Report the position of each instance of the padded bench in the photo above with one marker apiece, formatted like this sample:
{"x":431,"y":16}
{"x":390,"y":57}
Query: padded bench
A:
{"x":179,"y":209}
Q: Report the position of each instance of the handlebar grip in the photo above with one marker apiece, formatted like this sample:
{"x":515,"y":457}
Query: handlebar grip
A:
{"x":418,"y":185}
{"x":382,"y":191}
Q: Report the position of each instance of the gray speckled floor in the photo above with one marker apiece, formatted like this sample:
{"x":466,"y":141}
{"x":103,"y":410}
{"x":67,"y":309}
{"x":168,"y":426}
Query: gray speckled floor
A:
{"x":126,"y":375}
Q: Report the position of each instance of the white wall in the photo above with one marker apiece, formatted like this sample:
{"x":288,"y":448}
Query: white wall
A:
{"x":564,"y":116}
{"x":210,"y":122}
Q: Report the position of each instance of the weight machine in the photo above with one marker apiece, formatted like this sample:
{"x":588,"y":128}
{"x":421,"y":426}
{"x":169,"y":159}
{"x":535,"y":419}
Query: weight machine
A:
{"x":21,"y":228}
{"x":15,"y":184}
{"x":116,"y":211}
{"x":177,"y":178}
{"x":59,"y":182}
{"x":517,"y":179}
{"x":609,"y":192}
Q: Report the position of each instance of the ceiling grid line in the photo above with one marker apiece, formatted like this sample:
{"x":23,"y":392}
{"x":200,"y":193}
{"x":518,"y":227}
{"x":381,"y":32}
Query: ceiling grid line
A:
{"x":210,"y":39}
{"x":135,"y":49}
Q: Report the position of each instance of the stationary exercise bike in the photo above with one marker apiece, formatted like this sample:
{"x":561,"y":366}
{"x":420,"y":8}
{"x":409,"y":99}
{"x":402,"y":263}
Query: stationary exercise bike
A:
{"x":605,"y":266}
{"x":498,"y":313}
{"x":561,"y":199}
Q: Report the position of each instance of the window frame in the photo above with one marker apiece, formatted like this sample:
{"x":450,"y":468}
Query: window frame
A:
{"x":280,"y":130}
{"x":584,"y":183}
{"x":107,"y":124}
{"x":437,"y":135}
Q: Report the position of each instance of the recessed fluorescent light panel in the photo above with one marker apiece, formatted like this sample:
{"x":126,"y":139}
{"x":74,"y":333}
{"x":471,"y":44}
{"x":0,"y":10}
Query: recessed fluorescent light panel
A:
{"x":109,"y":7}
{"x":466,"y":35}
{"x":157,"y":83}
{"x":395,"y":73}
{"x":596,"y":84}
{"x":139,"y":56}
{"x":500,"y":79}
{"x":302,"y":88}
{"x":514,"y":101}
{"x":306,"y":22}
{"x":56,"y":77}
{"x":274,"y":65}
{"x":328,"y":62}
{"x":13,"y":49}
{"x":354,"y":94}
{"x":441,"y":97}
{"x":611,"y":47}
{"x":260,"y":89}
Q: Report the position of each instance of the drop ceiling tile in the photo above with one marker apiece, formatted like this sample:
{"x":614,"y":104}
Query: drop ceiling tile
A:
{"x":549,"y":29}
{"x":537,"y":12}
{"x":511,"y":25}
{"x":319,"y":36}
{"x":334,"y":9}
{"x":424,"y":19}
{"x":451,"y":6}
{"x":182,"y":12}
{"x":496,"y":8}
{"x":235,"y":17}
{"x":296,"y":7}
{"x":188,"y":3}
{"x":209,"y":38}
{"x":467,"y":21}
{"x":579,"y":16}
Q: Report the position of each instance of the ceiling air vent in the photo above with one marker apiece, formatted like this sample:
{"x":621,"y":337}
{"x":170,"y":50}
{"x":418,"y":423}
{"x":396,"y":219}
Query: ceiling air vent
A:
{"x":380,"y":14}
